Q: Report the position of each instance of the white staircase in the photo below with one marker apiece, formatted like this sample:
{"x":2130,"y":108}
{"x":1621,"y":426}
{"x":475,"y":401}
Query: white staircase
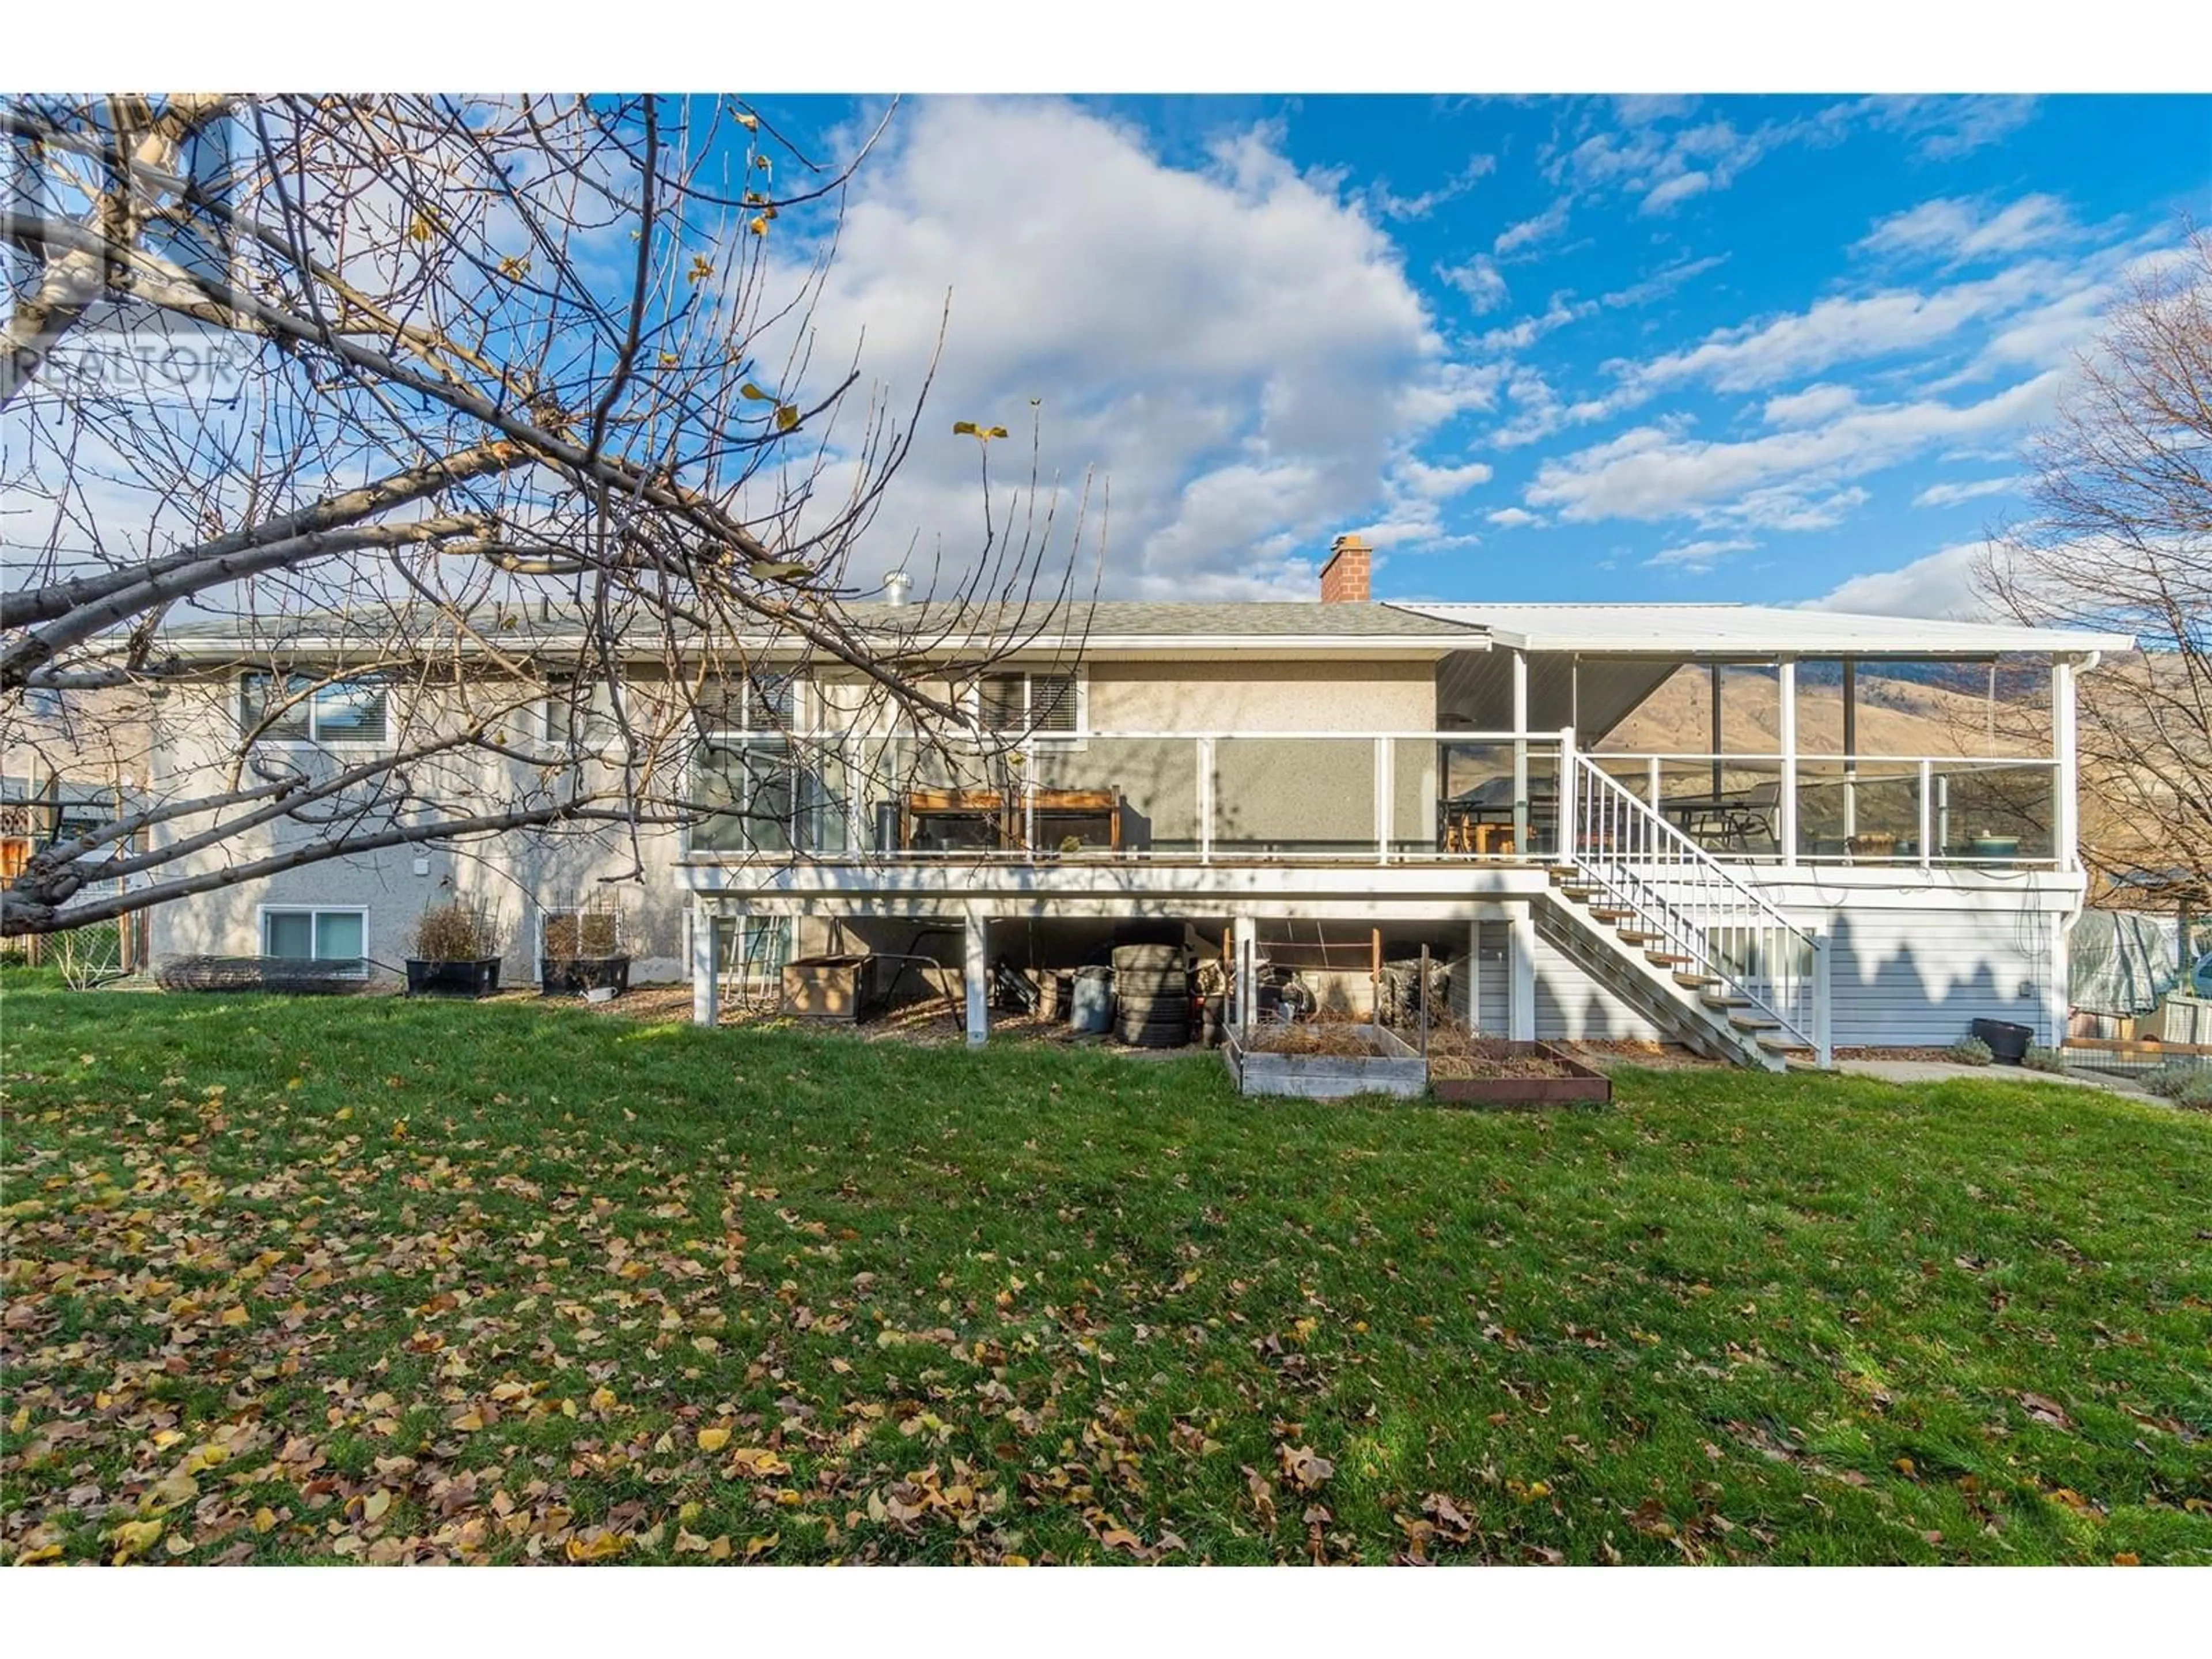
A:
{"x":1677,"y":934}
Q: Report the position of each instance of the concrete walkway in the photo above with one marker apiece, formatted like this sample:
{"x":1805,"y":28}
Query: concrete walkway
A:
{"x":1942,"y":1071}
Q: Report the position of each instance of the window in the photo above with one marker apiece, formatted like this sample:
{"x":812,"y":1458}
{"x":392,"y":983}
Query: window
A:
{"x":766,"y":792}
{"x":342,"y":711}
{"x":309,"y":935}
{"x":1049,"y":705}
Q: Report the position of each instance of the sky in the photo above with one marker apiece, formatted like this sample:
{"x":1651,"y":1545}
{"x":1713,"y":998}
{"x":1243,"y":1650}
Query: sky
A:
{"x":1776,"y":349}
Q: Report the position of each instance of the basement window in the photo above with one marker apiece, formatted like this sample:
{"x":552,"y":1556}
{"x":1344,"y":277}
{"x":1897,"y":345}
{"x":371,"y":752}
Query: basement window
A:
{"x":337,"y":937}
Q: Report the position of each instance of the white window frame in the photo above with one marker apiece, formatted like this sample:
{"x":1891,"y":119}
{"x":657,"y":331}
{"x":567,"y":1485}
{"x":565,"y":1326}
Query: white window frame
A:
{"x":262,"y":912}
{"x":314,"y":738}
{"x":973,"y":701}
{"x":805,"y":723}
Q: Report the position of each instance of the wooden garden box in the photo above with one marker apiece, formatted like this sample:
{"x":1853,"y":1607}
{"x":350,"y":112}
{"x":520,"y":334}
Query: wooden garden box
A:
{"x":1582,"y":1083}
{"x":1392,"y":1069}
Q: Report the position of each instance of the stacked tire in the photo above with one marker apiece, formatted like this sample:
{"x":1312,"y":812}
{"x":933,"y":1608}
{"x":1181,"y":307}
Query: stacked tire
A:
{"x":1151,"y":996}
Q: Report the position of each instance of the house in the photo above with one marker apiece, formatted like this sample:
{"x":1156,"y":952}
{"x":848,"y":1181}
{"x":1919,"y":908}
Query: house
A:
{"x":1321,"y":783}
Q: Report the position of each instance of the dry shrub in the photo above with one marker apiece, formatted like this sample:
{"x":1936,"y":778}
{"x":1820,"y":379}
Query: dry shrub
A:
{"x":455,"y":931}
{"x":573,"y":934}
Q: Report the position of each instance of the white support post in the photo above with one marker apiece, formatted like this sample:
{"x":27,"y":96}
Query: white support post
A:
{"x":1521,"y":1004}
{"x":1205,"y":800}
{"x":975,"y":974}
{"x":1243,"y":949}
{"x":1385,"y":789}
{"x":706,"y":988}
{"x":1653,"y":784}
{"x":1569,"y":782}
{"x":1786,"y":829}
{"x":2067,"y":827}
{"x":1474,"y":976}
{"x":2058,"y":990}
{"x":1824,"y":1041}
{"x":1520,"y":753}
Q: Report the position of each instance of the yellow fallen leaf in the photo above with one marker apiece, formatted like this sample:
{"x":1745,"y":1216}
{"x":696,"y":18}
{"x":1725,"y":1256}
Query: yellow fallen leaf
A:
{"x":713,"y":1440}
{"x":605,"y":1546}
{"x":265,"y":1519}
{"x":44,"y":1553}
{"x":752,"y":1463}
{"x":720,"y":1549}
{"x":603,"y":1399}
{"x":469,"y":1421}
{"x":20,"y":1421}
{"x":137,"y":1537}
{"x":756,"y":1547}
{"x":374,"y":1506}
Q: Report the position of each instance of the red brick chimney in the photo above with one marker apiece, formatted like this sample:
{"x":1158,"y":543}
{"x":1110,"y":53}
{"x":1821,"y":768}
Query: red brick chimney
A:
{"x":1344,"y":578}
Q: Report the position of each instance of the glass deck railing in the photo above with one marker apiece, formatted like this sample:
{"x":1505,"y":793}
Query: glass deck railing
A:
{"x":1398,"y":797}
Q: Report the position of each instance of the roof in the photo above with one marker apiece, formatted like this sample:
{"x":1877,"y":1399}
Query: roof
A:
{"x":1169,"y":627}
{"x":1689,"y":629}
{"x":1107,"y":625}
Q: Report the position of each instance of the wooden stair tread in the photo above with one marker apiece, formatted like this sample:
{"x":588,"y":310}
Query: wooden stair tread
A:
{"x":1691,"y":981}
{"x":1662,"y":959}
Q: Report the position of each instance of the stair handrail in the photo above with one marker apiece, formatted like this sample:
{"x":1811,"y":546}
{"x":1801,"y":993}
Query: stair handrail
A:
{"x":1596,"y":807}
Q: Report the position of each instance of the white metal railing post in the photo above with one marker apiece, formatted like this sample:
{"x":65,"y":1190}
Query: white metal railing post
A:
{"x":1520,"y":753}
{"x":1786,"y":804}
{"x":1205,"y":800}
{"x":1384,"y":792}
{"x":1651,"y":783}
{"x":1927,"y":810}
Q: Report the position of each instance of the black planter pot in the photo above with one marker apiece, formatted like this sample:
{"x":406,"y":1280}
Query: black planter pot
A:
{"x":571,"y":976}
{"x":2008,"y":1042}
{"x":452,"y":979}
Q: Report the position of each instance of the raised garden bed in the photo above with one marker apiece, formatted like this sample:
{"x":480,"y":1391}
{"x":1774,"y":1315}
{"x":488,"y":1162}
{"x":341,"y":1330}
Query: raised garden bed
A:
{"x":1326,"y":1060}
{"x":1493,"y":1072}
{"x":476,"y":978}
{"x":333,"y":976}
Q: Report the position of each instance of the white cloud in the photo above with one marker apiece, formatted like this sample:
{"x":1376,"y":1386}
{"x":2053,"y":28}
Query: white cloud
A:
{"x":1438,"y":484}
{"x":1958,"y":228}
{"x":1942,"y":585}
{"x":1513,"y":518}
{"x":1945,"y":127}
{"x":1664,"y":196}
{"x":1388,"y":204}
{"x":1236,"y":346}
{"x":1660,"y":284}
{"x":1814,"y":404}
{"x":1480,"y":280}
{"x":1529,"y":231}
{"x":1562,"y":310}
{"x":1696,"y":558}
{"x":1784,"y":480}
{"x":1950,"y":494}
{"x":1839,"y":330}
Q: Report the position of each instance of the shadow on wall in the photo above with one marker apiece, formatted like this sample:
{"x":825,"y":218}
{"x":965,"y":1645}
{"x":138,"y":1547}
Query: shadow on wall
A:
{"x":1915,"y":998}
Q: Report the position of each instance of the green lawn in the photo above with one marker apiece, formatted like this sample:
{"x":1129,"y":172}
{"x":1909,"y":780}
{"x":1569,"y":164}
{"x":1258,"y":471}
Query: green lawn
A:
{"x":381,"y":1280}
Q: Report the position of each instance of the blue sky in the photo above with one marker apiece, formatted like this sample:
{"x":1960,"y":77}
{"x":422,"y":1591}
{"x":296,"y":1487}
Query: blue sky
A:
{"x":1770,"y":349}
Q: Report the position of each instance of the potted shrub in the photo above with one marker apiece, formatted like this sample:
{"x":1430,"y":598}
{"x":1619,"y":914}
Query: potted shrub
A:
{"x":454,"y":951}
{"x":581,"y":951}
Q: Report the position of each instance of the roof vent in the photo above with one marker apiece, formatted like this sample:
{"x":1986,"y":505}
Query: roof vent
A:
{"x":896,"y":586}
